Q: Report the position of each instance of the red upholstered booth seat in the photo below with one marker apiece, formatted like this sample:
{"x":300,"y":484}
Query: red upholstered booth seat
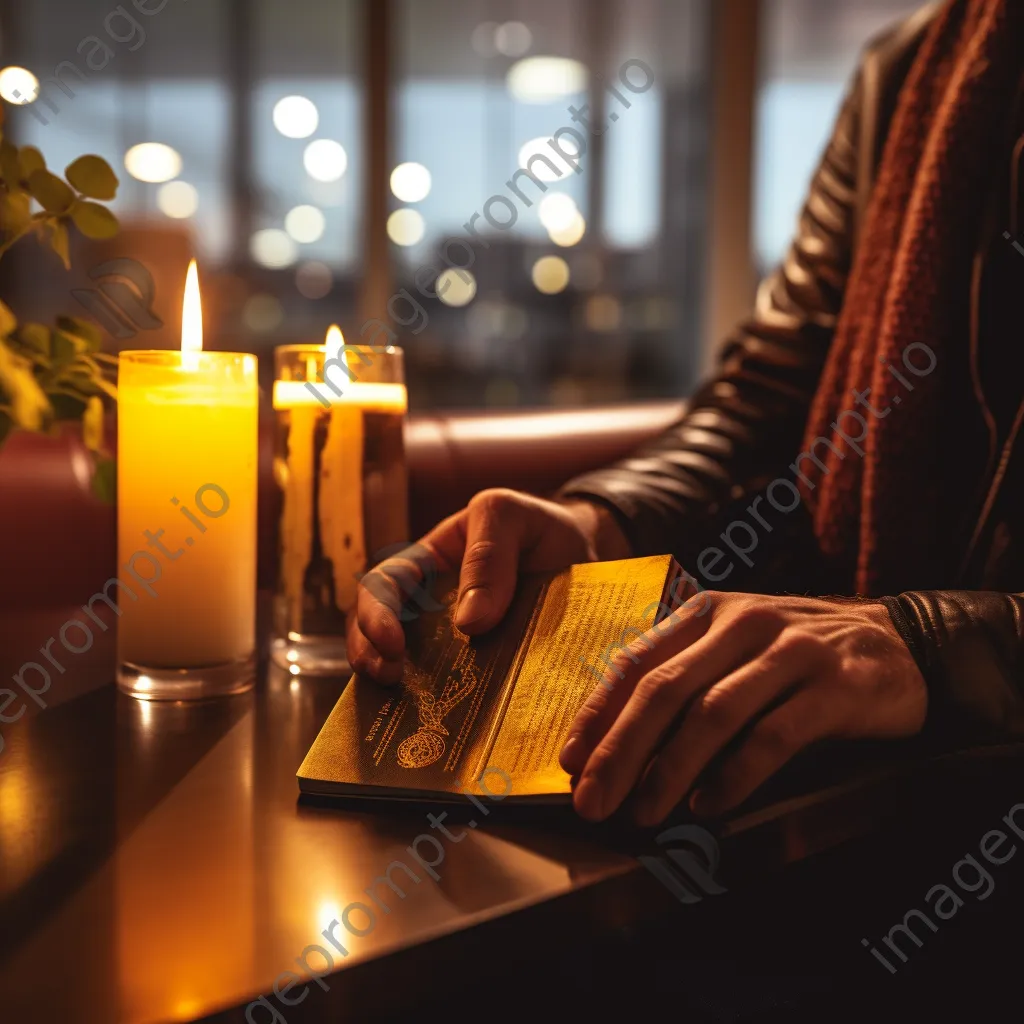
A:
{"x":57,"y":542}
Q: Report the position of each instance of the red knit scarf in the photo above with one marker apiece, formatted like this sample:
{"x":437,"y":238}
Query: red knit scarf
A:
{"x":906,"y":303}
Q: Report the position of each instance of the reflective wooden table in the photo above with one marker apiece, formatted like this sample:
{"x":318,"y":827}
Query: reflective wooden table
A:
{"x":156,"y":863}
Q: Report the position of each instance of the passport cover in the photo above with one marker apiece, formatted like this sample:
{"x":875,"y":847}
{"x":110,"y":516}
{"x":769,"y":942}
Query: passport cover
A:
{"x":503,"y":700}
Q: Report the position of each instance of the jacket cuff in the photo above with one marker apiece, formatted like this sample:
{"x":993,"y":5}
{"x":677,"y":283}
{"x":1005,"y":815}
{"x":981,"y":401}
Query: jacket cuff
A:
{"x":967,"y":647}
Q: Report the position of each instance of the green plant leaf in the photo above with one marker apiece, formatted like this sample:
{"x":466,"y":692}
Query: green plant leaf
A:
{"x":15,"y":212}
{"x":29,"y":161}
{"x":92,"y":425}
{"x":52,"y":194}
{"x":60,"y":243}
{"x":29,"y":406}
{"x":35,"y":337}
{"x":84,"y":329}
{"x":107,"y":387}
{"x":66,"y":348}
{"x":92,"y":176}
{"x":104,"y":480}
{"x":8,"y":321}
{"x":94,"y":221}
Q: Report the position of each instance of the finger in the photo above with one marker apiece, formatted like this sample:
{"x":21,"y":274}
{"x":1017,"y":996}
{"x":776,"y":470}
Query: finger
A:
{"x":720,"y":713}
{"x":812,"y":713}
{"x":406,"y":576}
{"x":621,"y":674}
{"x":618,"y":760}
{"x":494,"y":531}
{"x":366,"y":660}
{"x":378,"y":605}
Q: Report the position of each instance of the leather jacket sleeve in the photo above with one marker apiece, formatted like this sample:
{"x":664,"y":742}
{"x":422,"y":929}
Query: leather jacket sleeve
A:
{"x":743,"y":428}
{"x":968,"y":647}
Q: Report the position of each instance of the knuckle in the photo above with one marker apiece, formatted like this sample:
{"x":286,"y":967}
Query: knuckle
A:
{"x":752,"y":617}
{"x":492,"y":500}
{"x":717,"y":709}
{"x":659,"y":689}
{"x":797,"y":642}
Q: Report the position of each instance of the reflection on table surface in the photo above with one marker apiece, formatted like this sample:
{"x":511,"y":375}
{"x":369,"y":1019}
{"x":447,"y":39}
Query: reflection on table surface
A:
{"x":160,"y":854}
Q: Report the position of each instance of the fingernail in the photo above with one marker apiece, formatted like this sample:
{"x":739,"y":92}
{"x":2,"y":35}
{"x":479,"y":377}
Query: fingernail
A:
{"x":588,"y":800}
{"x":473,"y":606}
{"x":570,"y":758}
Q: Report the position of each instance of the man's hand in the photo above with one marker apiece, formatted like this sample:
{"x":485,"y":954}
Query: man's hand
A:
{"x":779,"y":672}
{"x":498,"y":535}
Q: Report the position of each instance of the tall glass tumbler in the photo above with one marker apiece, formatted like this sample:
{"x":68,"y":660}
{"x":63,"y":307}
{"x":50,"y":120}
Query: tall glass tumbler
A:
{"x":339,"y":460}
{"x":186,"y":521}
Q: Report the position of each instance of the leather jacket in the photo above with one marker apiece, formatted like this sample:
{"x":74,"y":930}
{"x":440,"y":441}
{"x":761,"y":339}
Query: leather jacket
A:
{"x":687,"y":491}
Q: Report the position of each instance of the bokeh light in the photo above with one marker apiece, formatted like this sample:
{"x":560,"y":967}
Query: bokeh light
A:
{"x":550,"y":275}
{"x":262,"y":313}
{"x":541,"y":169}
{"x":271,"y":247}
{"x":455,"y":287}
{"x":153,"y":162}
{"x":305,"y":224}
{"x":410,"y":182}
{"x":545,"y":79}
{"x":314,"y":280}
{"x":178,"y":199}
{"x":18,"y":86}
{"x":296,"y":117}
{"x":406,"y":227}
{"x":325,"y":160}
{"x":512,"y":39}
{"x":557,"y":211}
{"x":570,"y":233}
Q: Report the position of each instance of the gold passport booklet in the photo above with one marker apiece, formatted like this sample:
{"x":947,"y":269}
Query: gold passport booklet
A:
{"x":502,"y":702}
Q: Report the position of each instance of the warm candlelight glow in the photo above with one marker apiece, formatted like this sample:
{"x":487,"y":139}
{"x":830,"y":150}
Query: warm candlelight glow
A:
{"x":333,"y":343}
{"x":191,"y":319}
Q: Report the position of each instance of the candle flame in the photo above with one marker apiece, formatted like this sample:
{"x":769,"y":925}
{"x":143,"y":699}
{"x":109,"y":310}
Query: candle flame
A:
{"x":192,"y":316}
{"x":333,"y":343}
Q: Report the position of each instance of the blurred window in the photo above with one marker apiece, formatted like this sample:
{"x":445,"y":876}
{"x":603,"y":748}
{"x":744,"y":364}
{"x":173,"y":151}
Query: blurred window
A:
{"x":809,"y":51}
{"x":256,"y":109}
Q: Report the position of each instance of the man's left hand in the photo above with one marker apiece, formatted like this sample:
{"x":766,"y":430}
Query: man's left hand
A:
{"x":784,"y":672}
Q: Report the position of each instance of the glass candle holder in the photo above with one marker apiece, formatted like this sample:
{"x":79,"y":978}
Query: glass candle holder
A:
{"x":339,"y":459}
{"x":186,"y":534}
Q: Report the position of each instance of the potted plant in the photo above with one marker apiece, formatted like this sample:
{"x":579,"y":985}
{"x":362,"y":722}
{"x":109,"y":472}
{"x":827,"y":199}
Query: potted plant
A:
{"x":53,"y":374}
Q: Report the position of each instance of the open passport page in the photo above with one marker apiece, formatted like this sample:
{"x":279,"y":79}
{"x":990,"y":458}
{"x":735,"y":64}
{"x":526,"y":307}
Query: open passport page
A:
{"x":504,"y":700}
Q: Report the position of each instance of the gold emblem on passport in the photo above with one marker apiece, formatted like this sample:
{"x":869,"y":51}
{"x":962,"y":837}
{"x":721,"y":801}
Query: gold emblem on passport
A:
{"x":426,"y":744}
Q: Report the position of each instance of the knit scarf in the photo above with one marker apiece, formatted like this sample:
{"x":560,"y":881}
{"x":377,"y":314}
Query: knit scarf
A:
{"x":906,"y":304}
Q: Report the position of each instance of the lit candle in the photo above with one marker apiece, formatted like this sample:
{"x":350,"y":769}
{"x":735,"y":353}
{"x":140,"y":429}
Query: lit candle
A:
{"x":187,"y":472}
{"x":340,"y":465}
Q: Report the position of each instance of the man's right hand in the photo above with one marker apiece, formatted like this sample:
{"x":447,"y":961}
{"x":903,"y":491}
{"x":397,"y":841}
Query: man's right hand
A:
{"x":499,"y":534}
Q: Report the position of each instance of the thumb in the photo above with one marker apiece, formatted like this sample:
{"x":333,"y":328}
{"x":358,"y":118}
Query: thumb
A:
{"x":495,"y":529}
